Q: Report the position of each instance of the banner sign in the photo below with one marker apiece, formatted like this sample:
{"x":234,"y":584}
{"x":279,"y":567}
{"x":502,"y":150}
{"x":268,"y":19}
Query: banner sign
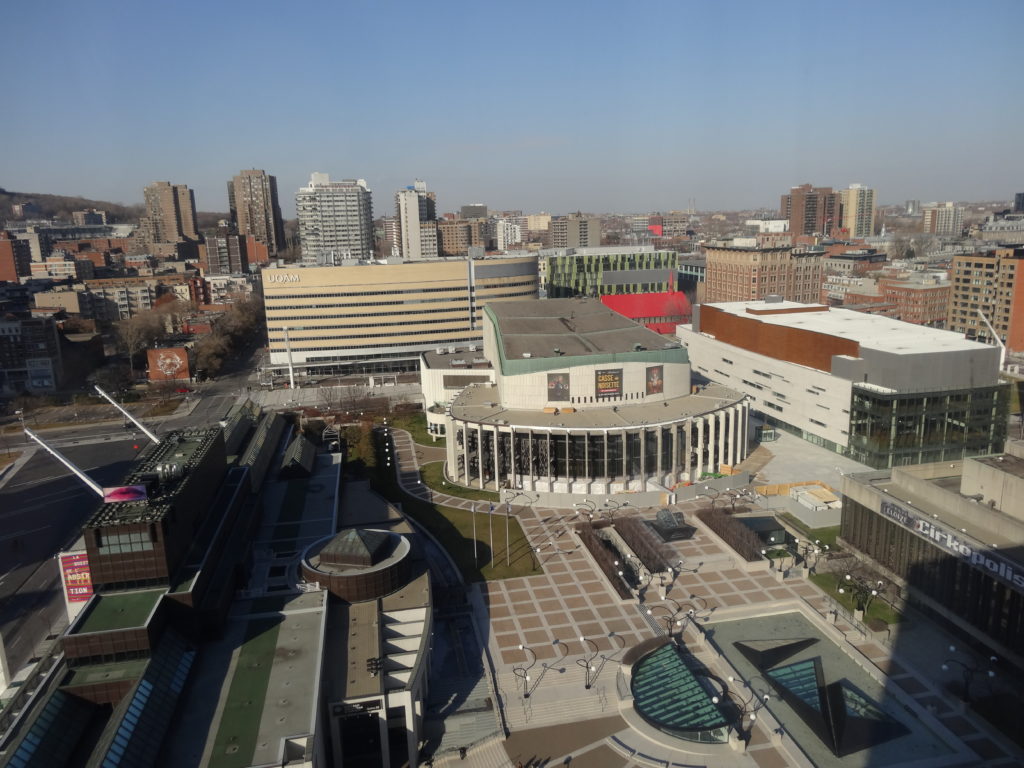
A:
{"x":655,"y":379}
{"x":74,"y":572}
{"x":952,"y":543}
{"x":125,"y":493}
{"x":608,"y":383}
{"x":558,"y":387}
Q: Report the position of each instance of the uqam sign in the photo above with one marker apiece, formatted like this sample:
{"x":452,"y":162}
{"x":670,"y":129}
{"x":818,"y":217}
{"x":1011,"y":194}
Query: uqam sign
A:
{"x":949,"y":541}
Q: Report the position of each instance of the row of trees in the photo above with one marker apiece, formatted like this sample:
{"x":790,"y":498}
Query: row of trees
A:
{"x":240,"y":323}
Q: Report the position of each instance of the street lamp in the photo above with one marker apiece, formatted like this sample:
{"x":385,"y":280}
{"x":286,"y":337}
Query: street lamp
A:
{"x":587,"y":662}
{"x":861,"y":591}
{"x":748,"y":704}
{"x":969,"y":671}
{"x":524,"y":672}
{"x":669,"y":617}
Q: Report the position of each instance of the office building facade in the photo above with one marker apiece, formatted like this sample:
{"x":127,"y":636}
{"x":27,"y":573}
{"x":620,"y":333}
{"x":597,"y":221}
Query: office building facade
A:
{"x":335,"y":220}
{"x":380,"y":317}
{"x":255,"y":209}
{"x":948,"y":536}
{"x":608,"y":270}
{"x":745,"y":273}
{"x":884,"y":392}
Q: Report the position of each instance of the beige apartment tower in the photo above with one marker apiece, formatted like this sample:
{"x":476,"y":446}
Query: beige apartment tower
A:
{"x":857,"y":211}
{"x":255,"y":209}
{"x":170,"y":214}
{"x":416,"y":210}
{"x":575,"y":231}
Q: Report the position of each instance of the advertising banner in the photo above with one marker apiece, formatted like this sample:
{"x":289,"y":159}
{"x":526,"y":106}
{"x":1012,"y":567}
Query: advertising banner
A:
{"x":125,"y":493}
{"x":558,"y":387}
{"x":655,"y":379}
{"x":75,"y":574}
{"x":608,"y":382}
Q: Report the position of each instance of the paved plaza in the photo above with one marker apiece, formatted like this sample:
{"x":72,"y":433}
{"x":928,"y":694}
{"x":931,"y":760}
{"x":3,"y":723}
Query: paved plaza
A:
{"x":564,"y":722}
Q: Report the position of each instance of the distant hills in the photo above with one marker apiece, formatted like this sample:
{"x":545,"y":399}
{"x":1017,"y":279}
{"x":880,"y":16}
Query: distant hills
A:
{"x":61,"y":207}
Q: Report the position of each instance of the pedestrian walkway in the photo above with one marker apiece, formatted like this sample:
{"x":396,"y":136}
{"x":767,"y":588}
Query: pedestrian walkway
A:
{"x":553,"y":625}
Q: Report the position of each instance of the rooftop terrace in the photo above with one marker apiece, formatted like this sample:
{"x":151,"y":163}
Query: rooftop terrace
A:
{"x":119,"y":610}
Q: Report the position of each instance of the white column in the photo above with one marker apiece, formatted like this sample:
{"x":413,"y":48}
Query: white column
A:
{"x":480,"y":456}
{"x":451,"y":449}
{"x":411,"y":733}
{"x":497,"y":443}
{"x":700,"y":448}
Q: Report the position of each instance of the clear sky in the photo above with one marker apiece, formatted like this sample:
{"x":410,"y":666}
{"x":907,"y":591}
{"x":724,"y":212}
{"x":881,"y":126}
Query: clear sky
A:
{"x":556,"y":106}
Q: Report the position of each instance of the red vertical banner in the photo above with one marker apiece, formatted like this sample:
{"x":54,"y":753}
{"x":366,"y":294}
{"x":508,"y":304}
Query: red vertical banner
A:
{"x":74,"y":572}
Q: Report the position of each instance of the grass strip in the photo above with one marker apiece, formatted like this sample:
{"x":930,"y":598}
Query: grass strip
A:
{"x":240,"y":721}
{"x":433,"y":476}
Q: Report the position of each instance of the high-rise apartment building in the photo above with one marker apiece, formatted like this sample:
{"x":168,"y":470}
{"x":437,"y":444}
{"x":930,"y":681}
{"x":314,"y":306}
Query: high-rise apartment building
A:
{"x":575,"y":231}
{"x":740,"y":273}
{"x":15,"y":258}
{"x":989,"y":284}
{"x":857,"y":211}
{"x":255,"y":210}
{"x":473,"y":211}
{"x":170,"y":215}
{"x":507,"y":233}
{"x":1018,"y":202}
{"x":226,"y":254}
{"x":335,"y":220}
{"x":810,"y":210}
{"x":416,"y":210}
{"x":456,"y":237}
{"x":943,"y":219}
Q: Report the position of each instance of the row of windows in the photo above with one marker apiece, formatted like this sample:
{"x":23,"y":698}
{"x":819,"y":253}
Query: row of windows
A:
{"x":447,"y":300}
{"x":412,"y":290}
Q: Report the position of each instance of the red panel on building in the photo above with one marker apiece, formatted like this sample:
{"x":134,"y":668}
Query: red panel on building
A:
{"x":74,"y":571}
{"x":660,"y":312}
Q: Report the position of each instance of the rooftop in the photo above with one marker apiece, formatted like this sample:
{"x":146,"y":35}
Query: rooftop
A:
{"x":557,"y":328}
{"x":457,"y":358}
{"x":119,"y":610}
{"x":478,"y":404}
{"x":870,"y":331}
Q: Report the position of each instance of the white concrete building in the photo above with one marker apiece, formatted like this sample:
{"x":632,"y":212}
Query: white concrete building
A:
{"x":335,"y":220}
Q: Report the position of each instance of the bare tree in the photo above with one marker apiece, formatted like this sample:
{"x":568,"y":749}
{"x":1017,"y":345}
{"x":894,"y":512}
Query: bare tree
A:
{"x":138,"y":333}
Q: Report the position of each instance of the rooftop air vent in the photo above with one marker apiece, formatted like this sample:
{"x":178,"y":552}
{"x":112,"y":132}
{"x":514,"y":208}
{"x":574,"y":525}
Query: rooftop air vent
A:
{"x":527,"y":355}
{"x":773,"y":298}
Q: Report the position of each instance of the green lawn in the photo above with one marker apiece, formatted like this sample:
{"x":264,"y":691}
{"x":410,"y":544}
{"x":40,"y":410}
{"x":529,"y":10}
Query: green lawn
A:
{"x":164,"y":407}
{"x":240,"y":722}
{"x":878,"y":609}
{"x":453,"y":529}
{"x":824,"y":535}
{"x":416,"y":425}
{"x":433,"y":476}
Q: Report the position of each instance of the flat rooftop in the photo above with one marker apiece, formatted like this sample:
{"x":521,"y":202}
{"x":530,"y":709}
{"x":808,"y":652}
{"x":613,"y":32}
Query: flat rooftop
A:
{"x":1004,"y":462}
{"x":477,"y":404}
{"x":119,"y":610}
{"x":870,"y":331}
{"x":461,"y":359}
{"x":568,"y":328}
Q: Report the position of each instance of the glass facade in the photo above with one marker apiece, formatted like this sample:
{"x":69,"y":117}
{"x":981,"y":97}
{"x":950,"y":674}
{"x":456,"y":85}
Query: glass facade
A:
{"x":897,"y":429}
{"x":985,"y":602}
{"x":583,"y":274}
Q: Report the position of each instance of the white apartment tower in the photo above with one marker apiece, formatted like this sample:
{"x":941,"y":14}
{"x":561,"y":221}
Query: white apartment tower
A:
{"x":507,"y":233}
{"x":857,"y":204}
{"x":943,"y":219}
{"x":417,"y":222}
{"x":335,"y":220}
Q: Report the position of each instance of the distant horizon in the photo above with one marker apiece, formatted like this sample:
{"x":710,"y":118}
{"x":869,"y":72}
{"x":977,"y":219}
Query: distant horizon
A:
{"x":555,"y":107}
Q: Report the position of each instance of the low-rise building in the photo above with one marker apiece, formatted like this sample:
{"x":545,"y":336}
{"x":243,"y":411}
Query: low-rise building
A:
{"x":609,"y":270}
{"x":884,"y":392}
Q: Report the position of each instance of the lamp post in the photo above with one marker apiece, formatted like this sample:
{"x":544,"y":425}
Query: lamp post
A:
{"x":524,"y":672}
{"x":587,"y":662}
{"x":969,"y":671}
{"x":860,"y":590}
{"x":748,"y":705}
{"x":669,"y":618}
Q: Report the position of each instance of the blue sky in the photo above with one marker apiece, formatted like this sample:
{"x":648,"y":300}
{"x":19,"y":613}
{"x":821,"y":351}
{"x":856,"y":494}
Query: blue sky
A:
{"x":557,"y":106}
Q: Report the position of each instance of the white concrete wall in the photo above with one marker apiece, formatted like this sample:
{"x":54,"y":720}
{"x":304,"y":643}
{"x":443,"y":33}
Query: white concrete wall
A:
{"x":812,"y":400}
{"x":530,"y":391}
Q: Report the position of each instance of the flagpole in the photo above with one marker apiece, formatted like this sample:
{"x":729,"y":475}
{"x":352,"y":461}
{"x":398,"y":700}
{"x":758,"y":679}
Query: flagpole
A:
{"x":508,"y":548}
{"x":473,"y":513}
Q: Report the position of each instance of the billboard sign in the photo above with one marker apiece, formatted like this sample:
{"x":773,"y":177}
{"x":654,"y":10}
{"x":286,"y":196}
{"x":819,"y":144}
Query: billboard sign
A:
{"x":608,"y":382}
{"x":75,"y":574}
{"x":125,"y":493}
{"x":558,"y":387}
{"x":655,"y":379}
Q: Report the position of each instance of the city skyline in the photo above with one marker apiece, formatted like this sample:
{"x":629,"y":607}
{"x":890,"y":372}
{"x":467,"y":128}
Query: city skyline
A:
{"x":574,"y":107}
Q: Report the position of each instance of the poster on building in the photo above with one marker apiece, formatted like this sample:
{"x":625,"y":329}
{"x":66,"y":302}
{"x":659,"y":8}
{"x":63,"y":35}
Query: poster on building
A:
{"x":655,"y":379}
{"x":170,"y":364}
{"x":558,"y":387}
{"x":125,"y":493}
{"x":608,"y":382}
{"x":75,"y":574}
